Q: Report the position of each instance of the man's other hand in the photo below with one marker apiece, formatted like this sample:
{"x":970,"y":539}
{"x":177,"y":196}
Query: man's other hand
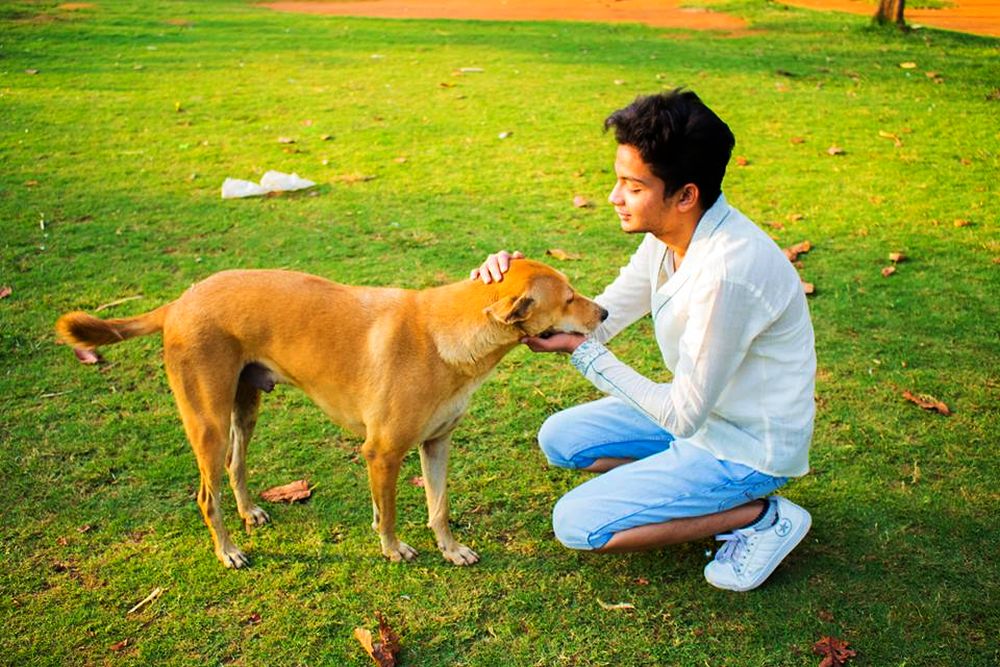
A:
{"x":495,"y":266}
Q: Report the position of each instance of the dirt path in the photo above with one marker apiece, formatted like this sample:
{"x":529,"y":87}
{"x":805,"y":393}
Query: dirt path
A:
{"x":975,"y":16}
{"x":660,"y":13}
{"x":979,"y":17}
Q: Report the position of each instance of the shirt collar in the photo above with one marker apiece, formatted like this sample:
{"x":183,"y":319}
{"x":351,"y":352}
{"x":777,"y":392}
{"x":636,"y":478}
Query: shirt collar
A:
{"x":711,"y":220}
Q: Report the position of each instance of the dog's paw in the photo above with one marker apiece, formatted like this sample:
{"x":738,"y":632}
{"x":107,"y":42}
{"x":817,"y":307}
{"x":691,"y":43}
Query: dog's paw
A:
{"x":232,"y":558}
{"x":460,"y":555}
{"x":255,"y":516}
{"x":401,"y":552}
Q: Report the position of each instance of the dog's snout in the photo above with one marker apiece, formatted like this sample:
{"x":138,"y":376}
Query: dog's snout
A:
{"x":604,"y":314}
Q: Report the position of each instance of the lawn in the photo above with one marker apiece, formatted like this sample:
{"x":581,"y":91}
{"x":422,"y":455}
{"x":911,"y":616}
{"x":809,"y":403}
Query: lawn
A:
{"x":118,"y":126}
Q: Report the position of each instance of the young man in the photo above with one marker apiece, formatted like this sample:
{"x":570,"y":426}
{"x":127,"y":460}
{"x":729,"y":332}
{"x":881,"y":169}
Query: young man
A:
{"x":701,"y":454}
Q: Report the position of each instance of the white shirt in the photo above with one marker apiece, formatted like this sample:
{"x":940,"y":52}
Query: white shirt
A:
{"x":733,"y":327}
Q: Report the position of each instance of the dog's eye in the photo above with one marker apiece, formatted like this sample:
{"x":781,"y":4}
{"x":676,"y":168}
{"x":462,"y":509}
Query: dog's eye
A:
{"x":570,"y":299}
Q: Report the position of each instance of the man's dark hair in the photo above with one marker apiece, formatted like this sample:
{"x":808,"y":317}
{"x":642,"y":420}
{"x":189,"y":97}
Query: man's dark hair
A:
{"x":680,"y":138}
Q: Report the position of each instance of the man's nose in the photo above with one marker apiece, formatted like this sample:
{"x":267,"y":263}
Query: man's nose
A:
{"x":615,"y":196}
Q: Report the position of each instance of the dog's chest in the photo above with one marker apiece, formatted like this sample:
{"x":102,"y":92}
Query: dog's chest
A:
{"x":450,"y":412}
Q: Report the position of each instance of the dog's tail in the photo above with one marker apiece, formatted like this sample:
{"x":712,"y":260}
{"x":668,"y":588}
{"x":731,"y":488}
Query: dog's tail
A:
{"x":87,"y":332}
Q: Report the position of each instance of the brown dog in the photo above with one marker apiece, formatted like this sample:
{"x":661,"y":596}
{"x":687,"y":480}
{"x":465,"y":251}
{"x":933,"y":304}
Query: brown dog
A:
{"x":396,"y":366}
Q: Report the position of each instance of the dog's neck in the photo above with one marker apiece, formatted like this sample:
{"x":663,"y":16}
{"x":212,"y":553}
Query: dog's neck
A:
{"x":477,"y":342}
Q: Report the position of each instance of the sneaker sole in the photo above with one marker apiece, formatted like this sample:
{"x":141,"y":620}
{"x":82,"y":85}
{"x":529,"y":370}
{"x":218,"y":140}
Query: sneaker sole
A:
{"x":776,"y":559}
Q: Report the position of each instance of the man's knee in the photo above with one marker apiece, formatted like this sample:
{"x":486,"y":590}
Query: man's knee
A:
{"x":554,"y":440}
{"x":571,"y":522}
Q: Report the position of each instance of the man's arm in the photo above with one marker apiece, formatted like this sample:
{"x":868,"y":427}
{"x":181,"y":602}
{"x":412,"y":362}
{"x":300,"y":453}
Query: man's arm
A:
{"x":725,"y":319}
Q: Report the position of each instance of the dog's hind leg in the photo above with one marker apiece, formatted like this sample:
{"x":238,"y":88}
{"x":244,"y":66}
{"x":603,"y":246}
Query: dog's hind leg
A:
{"x":204,"y":387}
{"x":384,"y":461}
{"x":434,"y":464}
{"x":244,"y":418}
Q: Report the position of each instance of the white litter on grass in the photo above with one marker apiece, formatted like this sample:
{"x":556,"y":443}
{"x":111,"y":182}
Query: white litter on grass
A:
{"x":275,"y":180}
{"x":272,"y":181}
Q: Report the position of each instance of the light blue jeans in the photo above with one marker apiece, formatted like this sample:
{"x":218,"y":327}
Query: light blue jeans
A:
{"x":670,"y":478}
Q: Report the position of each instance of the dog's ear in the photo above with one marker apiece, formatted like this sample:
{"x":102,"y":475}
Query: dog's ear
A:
{"x":511,"y":309}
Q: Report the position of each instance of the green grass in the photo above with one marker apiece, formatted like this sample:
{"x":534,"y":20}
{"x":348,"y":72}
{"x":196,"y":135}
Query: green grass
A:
{"x":111,"y":159}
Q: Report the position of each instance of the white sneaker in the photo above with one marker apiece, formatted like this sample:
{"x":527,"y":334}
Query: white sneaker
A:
{"x":750,"y":555}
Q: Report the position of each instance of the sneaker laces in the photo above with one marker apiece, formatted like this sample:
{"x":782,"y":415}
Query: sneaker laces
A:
{"x":734,"y":547}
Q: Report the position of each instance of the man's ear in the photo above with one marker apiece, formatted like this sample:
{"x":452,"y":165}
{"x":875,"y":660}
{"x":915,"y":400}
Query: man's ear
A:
{"x":511,"y":309}
{"x":689,"y":197}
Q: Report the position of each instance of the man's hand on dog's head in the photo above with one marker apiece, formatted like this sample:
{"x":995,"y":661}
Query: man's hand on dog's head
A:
{"x":558,"y":342}
{"x":495,"y":266}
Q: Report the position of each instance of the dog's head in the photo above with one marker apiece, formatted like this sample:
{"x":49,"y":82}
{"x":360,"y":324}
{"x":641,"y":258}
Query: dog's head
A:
{"x":539,"y":301}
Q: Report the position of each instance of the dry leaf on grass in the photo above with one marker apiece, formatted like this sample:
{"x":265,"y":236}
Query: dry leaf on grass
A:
{"x":888,"y":271}
{"x":808,"y":288}
{"x":118,"y":646}
{"x":836,"y":150}
{"x":560,"y":254}
{"x":580,"y":201}
{"x":793,"y":252}
{"x":297,"y":490}
{"x":908,"y":65}
{"x":148,"y":600}
{"x":384,"y":652}
{"x":889,"y":135}
{"x":962,"y":223}
{"x":741,"y":161}
{"x":417,"y":481}
{"x":798,"y":140}
{"x":620,"y":606}
{"x":835,"y":652}
{"x":927,"y":402}
{"x":896,"y":257}
{"x":286,"y":140}
{"x":5,"y":291}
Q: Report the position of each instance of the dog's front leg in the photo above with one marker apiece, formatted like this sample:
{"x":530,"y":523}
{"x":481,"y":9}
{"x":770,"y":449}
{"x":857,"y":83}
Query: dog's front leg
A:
{"x":383,"y":471}
{"x":434,"y":463}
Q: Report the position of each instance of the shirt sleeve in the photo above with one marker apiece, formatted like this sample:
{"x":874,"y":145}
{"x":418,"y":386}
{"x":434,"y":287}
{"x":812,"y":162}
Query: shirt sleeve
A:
{"x":725,"y":318}
{"x":627,"y":298}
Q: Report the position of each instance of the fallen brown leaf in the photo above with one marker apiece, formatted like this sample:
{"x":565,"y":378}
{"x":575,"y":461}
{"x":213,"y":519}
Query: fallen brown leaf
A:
{"x":297,"y":490}
{"x":253,"y":619}
{"x":355,"y":178}
{"x":795,"y":217}
{"x":384,"y":652}
{"x":835,"y":652}
{"x":5,"y":291}
{"x":808,"y":288}
{"x":836,"y":150}
{"x":927,"y":402}
{"x":741,"y":161}
{"x":118,"y":646}
{"x":888,"y":271}
{"x":793,"y":252}
{"x":798,"y":140}
{"x":560,"y":254}
{"x":580,"y":201}
{"x":417,"y":481}
{"x":286,"y":140}
{"x":962,"y":223}
{"x":896,"y":257}
{"x":908,"y":65}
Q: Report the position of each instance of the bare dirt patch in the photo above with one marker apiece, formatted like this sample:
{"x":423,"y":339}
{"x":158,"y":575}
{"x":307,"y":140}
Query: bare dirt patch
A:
{"x":659,"y":13}
{"x":979,"y":17}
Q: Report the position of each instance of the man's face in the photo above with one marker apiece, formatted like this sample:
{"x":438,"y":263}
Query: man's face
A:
{"x":638,"y":195}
